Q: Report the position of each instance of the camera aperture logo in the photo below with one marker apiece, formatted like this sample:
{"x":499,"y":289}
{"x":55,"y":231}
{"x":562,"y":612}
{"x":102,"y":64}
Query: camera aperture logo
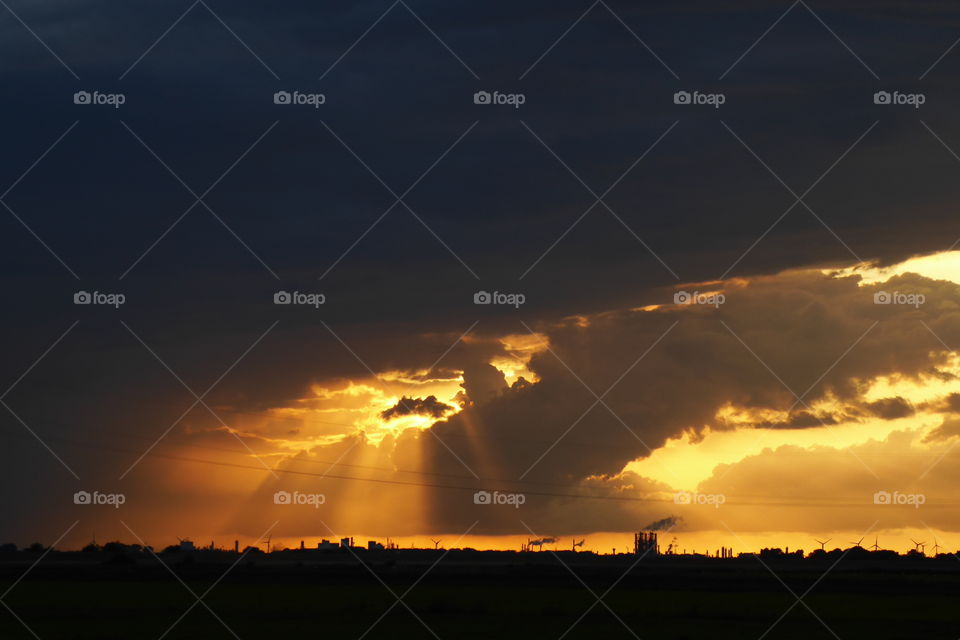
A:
{"x":296,"y":498}
{"x":498,"y":497}
{"x":899,"y":499}
{"x":96,"y":98}
{"x":899,"y":99}
{"x":912,"y":299}
{"x":99,"y":298}
{"x":299,"y":298}
{"x":96,"y":498}
{"x":512,"y":99}
{"x":701,"y":99}
{"x":687,"y":497}
{"x":712,"y":299}
{"x":512,"y":299}
{"x":297,"y":98}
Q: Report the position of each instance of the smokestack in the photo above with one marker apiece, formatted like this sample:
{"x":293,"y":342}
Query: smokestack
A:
{"x":236,"y":546}
{"x":301,"y":545}
{"x":645,"y":542}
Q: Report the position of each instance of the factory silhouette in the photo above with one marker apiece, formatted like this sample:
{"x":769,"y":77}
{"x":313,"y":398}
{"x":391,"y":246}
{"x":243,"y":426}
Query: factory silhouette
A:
{"x":658,"y":588}
{"x":645,"y":545}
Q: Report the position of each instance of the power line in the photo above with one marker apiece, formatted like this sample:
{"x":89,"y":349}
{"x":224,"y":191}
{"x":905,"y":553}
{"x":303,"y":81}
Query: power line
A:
{"x":501,"y":481}
{"x":130,"y":436}
{"x":473,"y":488}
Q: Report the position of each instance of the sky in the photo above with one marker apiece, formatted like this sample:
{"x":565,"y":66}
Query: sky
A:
{"x":734,"y":314}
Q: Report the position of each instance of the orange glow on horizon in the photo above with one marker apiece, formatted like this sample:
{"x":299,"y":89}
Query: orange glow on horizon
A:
{"x":335,"y":411}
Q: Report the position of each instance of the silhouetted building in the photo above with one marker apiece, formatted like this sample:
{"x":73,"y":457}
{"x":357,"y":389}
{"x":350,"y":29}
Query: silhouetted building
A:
{"x":777,"y":553}
{"x":645,"y":543}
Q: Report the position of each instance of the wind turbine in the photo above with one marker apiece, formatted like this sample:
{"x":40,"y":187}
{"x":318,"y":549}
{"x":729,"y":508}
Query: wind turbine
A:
{"x":823,"y":542}
{"x":857,"y":543}
{"x":876,"y":547}
{"x":436,"y":543}
{"x":577,"y":544}
{"x":936,"y":547}
{"x":269,"y":538}
{"x":919,"y":546}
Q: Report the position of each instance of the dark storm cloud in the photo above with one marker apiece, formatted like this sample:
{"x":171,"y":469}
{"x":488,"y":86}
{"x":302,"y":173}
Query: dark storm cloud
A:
{"x":885,"y":408}
{"x":891,"y":408}
{"x":801,"y":420}
{"x":483,"y":382}
{"x":288,"y":209}
{"x":428,"y":406}
{"x":773,"y":338}
{"x":553,"y":442}
{"x":950,"y":404}
{"x":201,"y":80}
{"x":953,"y":402}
